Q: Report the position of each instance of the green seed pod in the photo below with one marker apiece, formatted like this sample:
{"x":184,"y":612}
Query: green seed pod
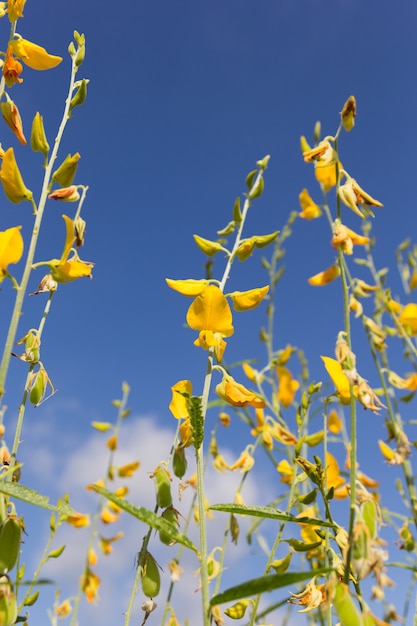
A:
{"x":38,"y":388}
{"x":8,"y":604}
{"x":170,"y":515}
{"x":179,"y":462}
{"x":163,"y":488}
{"x":10,"y":536}
{"x":65,"y":173}
{"x":151,"y":578}
{"x":32,"y":599}
{"x":38,"y":139}
{"x":32,"y":352}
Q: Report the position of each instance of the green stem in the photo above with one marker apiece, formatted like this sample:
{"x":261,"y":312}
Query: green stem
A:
{"x":21,"y":292}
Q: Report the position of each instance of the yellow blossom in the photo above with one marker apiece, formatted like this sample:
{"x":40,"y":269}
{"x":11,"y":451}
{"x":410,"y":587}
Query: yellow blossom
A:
{"x":90,"y":584}
{"x":334,"y":423}
{"x":339,"y":378}
{"x":179,"y":402}
{"x":127,"y":471}
{"x":210,"y":314}
{"x":287,"y":386}
{"x":310,"y":210}
{"x":112,"y":442}
{"x":106,"y":544}
{"x":78,"y":520}
{"x":355,"y":305}
{"x":312,"y":597}
{"x":236,"y":394}
{"x":345,"y":238}
{"x":11,"y":69}
{"x":252,"y":374}
{"x":396,"y":381}
{"x":325,"y":277}
{"x":15,"y":9}
{"x":353,"y":196}
{"x":12,"y":180}
{"x":286,"y":471}
{"x":63,"y":610}
{"x":65,"y":270}
{"x":189,"y":287}
{"x":325,"y":159}
{"x":11,"y":249}
{"x":220,"y":464}
{"x":334,"y":479}
{"x":245,"y":462}
{"x":34,"y":56}
{"x":92,"y":557}
{"x":408,"y":318}
{"x":107,"y":517}
{"x":348,"y":113}
{"x":390,"y":455}
{"x":326,"y":175}
{"x":248,"y":300}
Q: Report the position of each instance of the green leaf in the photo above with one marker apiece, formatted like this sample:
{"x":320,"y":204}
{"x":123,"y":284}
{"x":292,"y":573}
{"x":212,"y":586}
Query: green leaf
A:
{"x":270,"y":513}
{"x":265,"y":583}
{"x":20,"y":492}
{"x":147,"y":517}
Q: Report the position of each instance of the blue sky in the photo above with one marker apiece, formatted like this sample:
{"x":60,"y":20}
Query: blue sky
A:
{"x":183,"y":98}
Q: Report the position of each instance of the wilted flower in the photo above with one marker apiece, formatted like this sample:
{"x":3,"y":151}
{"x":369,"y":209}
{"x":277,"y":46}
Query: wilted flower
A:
{"x":312,"y":596}
{"x":353,"y":196}
{"x":11,"y":69}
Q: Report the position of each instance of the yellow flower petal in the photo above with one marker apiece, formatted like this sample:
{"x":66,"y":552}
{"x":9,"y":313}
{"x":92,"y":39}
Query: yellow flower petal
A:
{"x":126,"y":471}
{"x":179,"y":403}
{"x":211,"y":311}
{"x":12,"y":180}
{"x":325,"y":277}
{"x":237,"y":395}
{"x":339,"y":378}
{"x":247,"y":300}
{"x":188,"y":287}
{"x":11,"y":248}
{"x":334,"y":479}
{"x":310,"y":210}
{"x":34,"y":56}
{"x":334,"y":423}
{"x":408,"y":318}
{"x":287,"y":386}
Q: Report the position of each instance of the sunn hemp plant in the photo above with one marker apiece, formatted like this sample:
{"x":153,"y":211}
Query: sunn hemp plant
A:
{"x":320,"y":556}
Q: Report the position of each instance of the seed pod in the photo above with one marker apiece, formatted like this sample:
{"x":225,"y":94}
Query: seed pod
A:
{"x":163,"y":488}
{"x":8,"y":604}
{"x":38,"y":389}
{"x":10,"y":536}
{"x":170,"y":515}
{"x":179,"y":462}
{"x":151,"y":578}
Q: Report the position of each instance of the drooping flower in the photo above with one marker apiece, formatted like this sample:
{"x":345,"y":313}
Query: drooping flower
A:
{"x":78,"y":520}
{"x":408,"y":318}
{"x":310,"y":210}
{"x":188,"y":287}
{"x":353,"y":196}
{"x":339,"y":378}
{"x":127,"y":471}
{"x":312,"y":596}
{"x":65,"y":270}
{"x":237,"y":395}
{"x":90,"y":584}
{"x":348,"y":113}
{"x":325,"y":277}
{"x":11,"y":116}
{"x":345,"y":239}
{"x":287,"y":386}
{"x":245,"y":462}
{"x":12,"y":180}
{"x":106,"y":543}
{"x":11,"y":249}
{"x":368,"y":398}
{"x":179,"y":402}
{"x":325,"y":162}
{"x":248,"y":300}
{"x":286,"y":470}
{"x":210,"y":314}
{"x":12,"y":69}
{"x":15,"y":9}
{"x":34,"y":56}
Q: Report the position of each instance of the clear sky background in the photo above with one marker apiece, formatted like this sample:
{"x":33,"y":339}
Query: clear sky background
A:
{"x":184,"y":97}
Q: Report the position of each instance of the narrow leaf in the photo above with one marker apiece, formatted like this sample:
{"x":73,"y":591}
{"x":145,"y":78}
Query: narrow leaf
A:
{"x":270,"y":513}
{"x":20,"y":492}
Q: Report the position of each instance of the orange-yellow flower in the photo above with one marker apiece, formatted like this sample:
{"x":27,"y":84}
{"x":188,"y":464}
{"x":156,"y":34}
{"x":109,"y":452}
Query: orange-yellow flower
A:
{"x":210,"y":314}
{"x":353,"y":196}
{"x":107,"y":517}
{"x":12,"y":69}
{"x":339,"y":378}
{"x":325,"y":159}
{"x":237,"y":395}
{"x":345,"y":239}
{"x":90,"y":584}
{"x":15,"y":9}
{"x":245,"y":462}
{"x":66,"y":194}
{"x":325,"y":277}
{"x":286,"y":470}
{"x":11,"y":249}
{"x":179,"y":402}
{"x":188,"y":287}
{"x":78,"y":520}
{"x":34,"y":56}
{"x":287,"y":386}
{"x":127,"y":471}
{"x":334,"y":423}
{"x":65,"y":270}
{"x":312,"y":597}
{"x":348,"y":113}
{"x":408,"y":318}
{"x":247,"y":300}
{"x":106,"y":544}
{"x":310,"y":210}
{"x":63,"y":610}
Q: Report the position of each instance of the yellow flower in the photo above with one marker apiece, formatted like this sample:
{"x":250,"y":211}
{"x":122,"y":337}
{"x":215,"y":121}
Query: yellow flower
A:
{"x":63,"y":610}
{"x":11,"y":249}
{"x":368,"y":398}
{"x":66,"y":270}
{"x":237,"y":395}
{"x":345,"y":239}
{"x":189,"y":287}
{"x":106,"y":544}
{"x":34,"y":56}
{"x":107,"y":517}
{"x":353,"y":196}
{"x":325,"y":159}
{"x":312,"y":597}
{"x":287,"y":386}
{"x":11,"y":69}
{"x":247,"y":300}
{"x":286,"y":471}
{"x":210,"y":314}
{"x":348,"y":113}
{"x":310,"y":210}
{"x":90,"y":584}
{"x":245,"y":462}
{"x":127,"y":471}
{"x":179,"y":403}
{"x":408,"y":318}
{"x":12,"y":180}
{"x":11,"y":116}
{"x":339,"y":378}
{"x":396,"y":381}
{"x":78,"y":520}
{"x":15,"y":9}
{"x":334,"y":423}
{"x":92,"y":557}
{"x":325,"y":277}
{"x":334,"y":479}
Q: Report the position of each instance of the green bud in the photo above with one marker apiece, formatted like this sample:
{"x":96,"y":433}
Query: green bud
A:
{"x":80,"y":94}
{"x":54,"y":554}
{"x":163,"y":488}
{"x":30,"y":601}
{"x":71,"y":49}
{"x":257,"y":189}
{"x":65,"y":173}
{"x":179,"y":462}
{"x":208,"y":247}
{"x":151,"y":578}
{"x":170,"y":515}
{"x":10,"y":537}
{"x":38,"y":139}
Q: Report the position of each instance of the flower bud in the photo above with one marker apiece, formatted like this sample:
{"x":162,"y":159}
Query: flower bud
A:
{"x":38,"y":140}
{"x":38,"y":386}
{"x":170,"y":515}
{"x":10,"y":537}
{"x":80,"y":94}
{"x":12,"y":180}
{"x":65,"y":173}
